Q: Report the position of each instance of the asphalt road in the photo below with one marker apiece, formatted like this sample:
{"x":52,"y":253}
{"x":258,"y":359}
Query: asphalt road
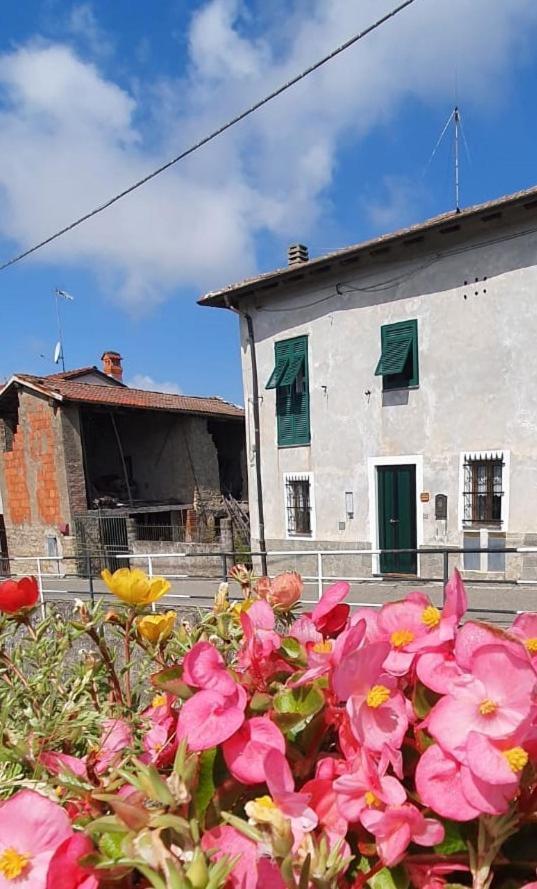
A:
{"x":495,"y":602}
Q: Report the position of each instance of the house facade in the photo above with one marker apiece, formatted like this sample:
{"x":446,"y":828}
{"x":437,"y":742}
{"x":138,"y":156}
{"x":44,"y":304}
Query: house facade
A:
{"x":90,"y":465}
{"x":397,"y":397}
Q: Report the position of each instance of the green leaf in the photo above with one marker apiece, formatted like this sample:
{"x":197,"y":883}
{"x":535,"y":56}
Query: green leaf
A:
{"x":387,"y":878}
{"x":421,"y":700}
{"x":453,"y":840}
{"x":171,"y":679}
{"x":111,"y":845}
{"x":292,"y":650}
{"x":205,"y":789}
{"x":303,"y":701}
{"x":260,"y":702}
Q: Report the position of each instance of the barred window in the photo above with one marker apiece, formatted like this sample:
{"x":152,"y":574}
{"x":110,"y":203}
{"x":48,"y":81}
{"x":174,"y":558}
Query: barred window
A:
{"x":483,"y":489}
{"x":298,"y":506}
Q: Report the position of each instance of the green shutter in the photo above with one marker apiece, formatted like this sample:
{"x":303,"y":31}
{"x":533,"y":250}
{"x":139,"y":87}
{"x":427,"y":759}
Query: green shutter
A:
{"x":398,"y":363}
{"x":276,"y":376}
{"x":292,"y":406}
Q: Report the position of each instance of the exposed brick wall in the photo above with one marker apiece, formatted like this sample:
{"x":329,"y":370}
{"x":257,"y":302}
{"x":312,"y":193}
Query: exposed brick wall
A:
{"x":42,"y":451}
{"x":17,"y":501}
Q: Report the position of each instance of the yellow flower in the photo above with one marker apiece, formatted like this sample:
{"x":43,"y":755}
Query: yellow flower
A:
{"x":134,"y":586}
{"x":156,"y":627}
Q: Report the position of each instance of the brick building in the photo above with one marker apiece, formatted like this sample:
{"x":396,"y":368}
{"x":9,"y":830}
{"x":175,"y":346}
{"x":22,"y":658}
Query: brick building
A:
{"x":87,"y":462}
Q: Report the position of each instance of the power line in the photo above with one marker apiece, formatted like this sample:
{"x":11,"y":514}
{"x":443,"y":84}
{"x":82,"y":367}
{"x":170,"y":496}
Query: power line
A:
{"x":212,"y":135}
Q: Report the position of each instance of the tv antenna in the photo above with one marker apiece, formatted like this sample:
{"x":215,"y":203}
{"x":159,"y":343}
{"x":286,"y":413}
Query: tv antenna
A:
{"x":454,"y":118}
{"x":59,"y":356}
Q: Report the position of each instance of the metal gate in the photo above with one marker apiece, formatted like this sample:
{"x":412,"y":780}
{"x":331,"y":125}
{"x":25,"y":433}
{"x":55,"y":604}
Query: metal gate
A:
{"x":4,"y":555}
{"x":100,"y":539}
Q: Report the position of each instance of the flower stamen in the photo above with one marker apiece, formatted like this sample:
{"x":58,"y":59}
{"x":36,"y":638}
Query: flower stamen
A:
{"x":488,"y":707}
{"x":531,"y":645}
{"x":323,"y":647}
{"x":431,"y":617}
{"x":400,"y":638}
{"x":371,"y":800}
{"x":13,"y":863}
{"x":377,"y":695}
{"x":516,"y":757}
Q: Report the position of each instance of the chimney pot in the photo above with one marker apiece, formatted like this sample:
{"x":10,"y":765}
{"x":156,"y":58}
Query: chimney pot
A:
{"x":296,"y":254}
{"x":112,"y":364}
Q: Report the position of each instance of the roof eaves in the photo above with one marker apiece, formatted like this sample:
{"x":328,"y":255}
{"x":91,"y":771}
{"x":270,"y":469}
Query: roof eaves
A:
{"x":29,"y":384}
{"x":291,"y":274}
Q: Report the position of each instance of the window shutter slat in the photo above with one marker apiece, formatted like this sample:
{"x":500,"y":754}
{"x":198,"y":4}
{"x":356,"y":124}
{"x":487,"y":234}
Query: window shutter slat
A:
{"x":292,"y":393}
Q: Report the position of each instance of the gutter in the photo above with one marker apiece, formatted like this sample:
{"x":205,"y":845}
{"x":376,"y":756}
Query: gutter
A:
{"x":257,"y":432}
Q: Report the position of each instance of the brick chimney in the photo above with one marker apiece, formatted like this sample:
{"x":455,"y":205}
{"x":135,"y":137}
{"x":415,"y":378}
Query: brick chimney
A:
{"x":112,"y":365}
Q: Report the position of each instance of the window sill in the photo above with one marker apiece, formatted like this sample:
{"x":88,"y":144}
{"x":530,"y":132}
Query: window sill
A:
{"x":401,"y":388}
{"x":282,"y":447}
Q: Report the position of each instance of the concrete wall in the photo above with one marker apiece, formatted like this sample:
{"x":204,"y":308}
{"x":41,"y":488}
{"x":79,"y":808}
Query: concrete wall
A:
{"x":477,"y":327}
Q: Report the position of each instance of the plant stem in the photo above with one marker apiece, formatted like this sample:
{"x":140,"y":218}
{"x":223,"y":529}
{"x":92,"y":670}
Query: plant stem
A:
{"x":127,"y":653}
{"x":105,"y":654}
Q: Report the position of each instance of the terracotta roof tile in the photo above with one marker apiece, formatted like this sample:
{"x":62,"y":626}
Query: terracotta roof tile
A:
{"x":124,"y":396}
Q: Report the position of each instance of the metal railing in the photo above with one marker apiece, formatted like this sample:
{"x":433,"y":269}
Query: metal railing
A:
{"x":84,"y":580}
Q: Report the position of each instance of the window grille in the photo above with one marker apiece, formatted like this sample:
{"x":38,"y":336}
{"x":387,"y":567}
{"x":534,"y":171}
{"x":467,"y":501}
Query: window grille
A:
{"x":483,"y":489}
{"x":298,"y":506}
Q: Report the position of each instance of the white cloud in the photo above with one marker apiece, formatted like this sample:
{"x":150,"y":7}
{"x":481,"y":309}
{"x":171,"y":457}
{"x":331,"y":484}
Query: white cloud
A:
{"x":82,"y":23}
{"x":70,"y":137}
{"x":144,"y":381}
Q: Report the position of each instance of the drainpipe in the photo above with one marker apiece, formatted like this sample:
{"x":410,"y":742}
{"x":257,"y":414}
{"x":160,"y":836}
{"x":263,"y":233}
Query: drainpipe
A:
{"x":257,"y":434}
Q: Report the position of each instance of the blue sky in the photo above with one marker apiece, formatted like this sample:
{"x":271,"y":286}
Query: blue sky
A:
{"x":94,"y":95}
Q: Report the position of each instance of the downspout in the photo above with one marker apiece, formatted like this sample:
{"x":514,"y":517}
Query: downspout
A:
{"x":257,"y":434}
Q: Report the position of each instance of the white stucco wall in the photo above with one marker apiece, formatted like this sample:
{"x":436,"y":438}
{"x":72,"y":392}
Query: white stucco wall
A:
{"x":477,"y":382}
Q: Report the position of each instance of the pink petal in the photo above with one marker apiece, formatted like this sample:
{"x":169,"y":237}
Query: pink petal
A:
{"x":450,"y":721}
{"x":359,"y":670}
{"x":305,"y":631}
{"x":439,"y":785}
{"x":262,"y":615}
{"x":377,"y":727}
{"x":64,"y":869}
{"x":208,"y":718}
{"x":204,"y":667}
{"x":431,"y":834}
{"x":437,"y":670}
{"x":507,"y":678}
{"x":278,"y":773}
{"x":455,"y":598}
{"x":228,"y":841}
{"x":33,"y":823}
{"x":269,"y":875}
{"x":335,"y":594}
{"x":56,"y":763}
{"x":485,"y":760}
{"x":491,"y":799}
{"x":246,"y":750}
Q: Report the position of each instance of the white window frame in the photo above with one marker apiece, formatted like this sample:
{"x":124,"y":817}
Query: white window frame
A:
{"x":482,"y":534}
{"x":300,"y":476}
{"x":487,"y":454}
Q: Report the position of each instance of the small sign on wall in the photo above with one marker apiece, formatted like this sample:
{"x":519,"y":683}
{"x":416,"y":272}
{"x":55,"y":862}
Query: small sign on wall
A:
{"x":425,"y":496}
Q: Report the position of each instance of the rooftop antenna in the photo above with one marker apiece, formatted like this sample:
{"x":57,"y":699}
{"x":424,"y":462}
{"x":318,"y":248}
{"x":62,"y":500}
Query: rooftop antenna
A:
{"x":454,"y":118}
{"x":58,"y":349}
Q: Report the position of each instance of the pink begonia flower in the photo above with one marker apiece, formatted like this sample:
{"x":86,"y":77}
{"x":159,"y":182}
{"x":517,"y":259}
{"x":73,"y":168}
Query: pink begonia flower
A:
{"x":250,"y":871}
{"x":65,"y":872}
{"x":245,"y":751}
{"x":324,"y":802}
{"x":260,"y":637}
{"x":330,"y":614}
{"x":366,"y":787}
{"x":160,"y":743}
{"x":485,"y":784}
{"x":398,"y":826}
{"x":31,"y":829}
{"x":437,"y":670}
{"x":325,"y":656}
{"x":376,"y":708}
{"x":205,"y":668}
{"x":305,"y":630}
{"x":115,"y":738}
{"x":294,"y":806}
{"x":474,"y":635}
{"x":495,"y":699}
{"x":525,"y":628}
{"x":210,"y":717}
{"x":431,"y":876}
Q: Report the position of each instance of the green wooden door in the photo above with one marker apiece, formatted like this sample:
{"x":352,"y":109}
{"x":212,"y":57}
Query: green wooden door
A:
{"x":397,"y":518}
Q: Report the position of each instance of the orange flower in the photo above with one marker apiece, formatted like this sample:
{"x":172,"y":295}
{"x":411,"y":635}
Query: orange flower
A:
{"x":283,"y":591}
